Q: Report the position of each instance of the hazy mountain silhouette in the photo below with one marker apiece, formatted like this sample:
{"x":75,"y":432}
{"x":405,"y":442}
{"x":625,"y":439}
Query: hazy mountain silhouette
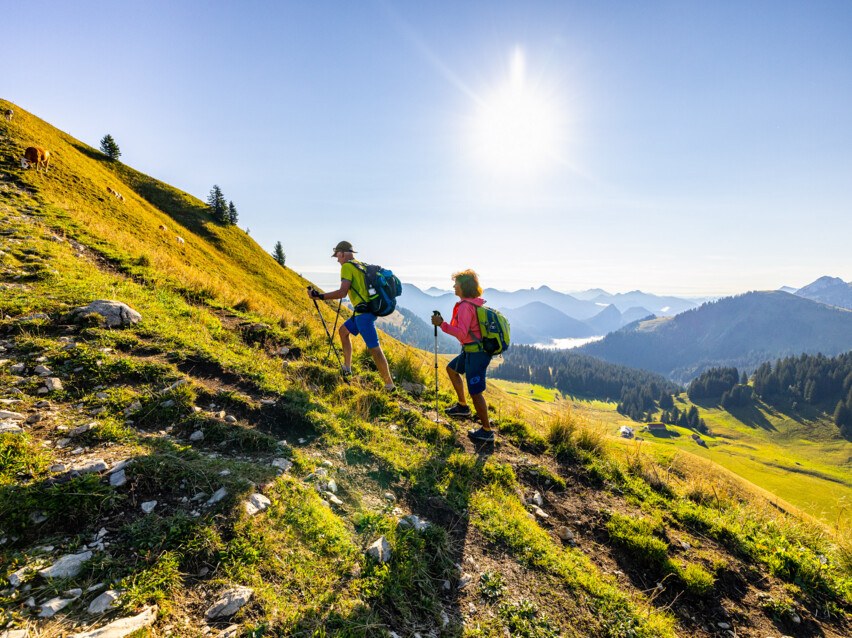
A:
{"x":828,"y":290}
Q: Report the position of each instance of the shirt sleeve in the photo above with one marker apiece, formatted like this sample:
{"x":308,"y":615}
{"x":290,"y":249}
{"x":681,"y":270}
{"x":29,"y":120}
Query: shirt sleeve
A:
{"x":347,"y":272}
{"x":464,"y":316}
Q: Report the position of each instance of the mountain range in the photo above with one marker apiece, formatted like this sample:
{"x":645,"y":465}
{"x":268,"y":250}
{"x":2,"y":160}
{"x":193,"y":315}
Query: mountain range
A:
{"x":741,"y":331}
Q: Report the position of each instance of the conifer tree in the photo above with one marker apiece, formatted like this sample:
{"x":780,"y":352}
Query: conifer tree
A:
{"x":109,"y":147}
{"x":232,"y":213}
{"x":278,"y":253}
{"x":842,"y":416}
{"x":218,"y":206}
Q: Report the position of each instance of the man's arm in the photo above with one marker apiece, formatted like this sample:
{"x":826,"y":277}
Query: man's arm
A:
{"x":340,"y":293}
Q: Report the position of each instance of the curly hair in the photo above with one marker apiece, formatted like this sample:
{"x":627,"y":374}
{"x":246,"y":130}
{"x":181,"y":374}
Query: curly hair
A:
{"x":468,"y":281}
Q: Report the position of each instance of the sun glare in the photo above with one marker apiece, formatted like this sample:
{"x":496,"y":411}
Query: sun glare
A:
{"x":515,"y":128}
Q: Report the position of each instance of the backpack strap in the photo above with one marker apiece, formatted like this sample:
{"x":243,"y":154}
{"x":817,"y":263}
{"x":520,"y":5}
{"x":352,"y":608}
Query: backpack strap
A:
{"x":357,"y":265}
{"x":470,"y":332}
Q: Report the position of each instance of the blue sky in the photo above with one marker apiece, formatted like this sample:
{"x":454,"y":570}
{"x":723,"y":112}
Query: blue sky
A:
{"x":678,"y":147}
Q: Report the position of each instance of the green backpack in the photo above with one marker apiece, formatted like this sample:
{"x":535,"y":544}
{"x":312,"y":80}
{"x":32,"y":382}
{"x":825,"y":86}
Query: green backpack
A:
{"x":494,"y":328}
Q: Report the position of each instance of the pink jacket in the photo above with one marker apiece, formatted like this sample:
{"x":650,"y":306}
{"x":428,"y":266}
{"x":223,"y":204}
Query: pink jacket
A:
{"x":464,"y":321}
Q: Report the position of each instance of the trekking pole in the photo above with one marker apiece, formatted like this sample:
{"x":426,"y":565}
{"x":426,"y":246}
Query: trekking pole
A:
{"x":435,"y":312}
{"x":331,"y":339}
{"x":324,"y":325}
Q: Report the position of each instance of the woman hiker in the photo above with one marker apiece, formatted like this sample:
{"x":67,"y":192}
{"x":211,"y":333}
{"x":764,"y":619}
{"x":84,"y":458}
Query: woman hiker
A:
{"x":473,"y":360}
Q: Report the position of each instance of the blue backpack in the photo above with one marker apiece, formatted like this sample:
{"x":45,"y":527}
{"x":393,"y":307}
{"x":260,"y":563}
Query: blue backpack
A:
{"x":383,"y":287}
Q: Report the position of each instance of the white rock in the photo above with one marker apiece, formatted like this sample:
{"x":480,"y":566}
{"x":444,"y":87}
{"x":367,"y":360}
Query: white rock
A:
{"x":256,"y":503}
{"x":73,"y":594}
{"x":104,"y":602}
{"x":10,"y":428}
{"x":380,"y":550}
{"x":334,"y":500}
{"x":118,"y":479}
{"x":52,"y":384}
{"x":114,"y":313}
{"x":412,"y":521}
{"x":282,"y":464}
{"x":16,"y":578}
{"x":87,"y":467}
{"x":52,"y":606}
{"x":218,"y":495}
{"x":6,"y":415}
{"x":123,"y":626}
{"x":537,"y":499}
{"x":564,"y":533}
{"x":42,"y":371}
{"x":230,"y":631}
{"x":198,"y":435}
{"x":148,"y":506}
{"x":723,"y":625}
{"x":332,"y":486}
{"x":66,"y":567}
{"x":230,"y":602}
{"x":465,"y":580}
{"x":540,"y":513}
{"x":82,"y":429}
{"x":389,"y":496}
{"x":15,"y":633}
{"x":120,"y":466}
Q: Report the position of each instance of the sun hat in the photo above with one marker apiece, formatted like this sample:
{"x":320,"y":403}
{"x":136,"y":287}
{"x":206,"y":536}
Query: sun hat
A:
{"x":342,"y":247}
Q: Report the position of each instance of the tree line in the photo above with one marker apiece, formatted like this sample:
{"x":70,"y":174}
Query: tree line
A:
{"x":638,"y":392}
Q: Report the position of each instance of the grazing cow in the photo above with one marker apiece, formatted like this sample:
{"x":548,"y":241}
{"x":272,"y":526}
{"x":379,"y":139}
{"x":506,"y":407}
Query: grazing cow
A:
{"x":35,"y":155}
{"x":110,"y":191}
{"x":8,"y":113}
{"x":179,"y":239}
{"x":163,"y":227}
{"x":121,"y":197}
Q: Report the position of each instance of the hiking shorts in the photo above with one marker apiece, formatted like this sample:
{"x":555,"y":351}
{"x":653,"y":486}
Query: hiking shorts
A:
{"x":472,"y":365}
{"x":364,"y":325}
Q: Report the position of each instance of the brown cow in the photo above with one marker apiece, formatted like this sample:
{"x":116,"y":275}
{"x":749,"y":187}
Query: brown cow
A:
{"x":163,"y":227}
{"x":8,"y":113}
{"x":35,"y":155}
{"x":110,"y":191}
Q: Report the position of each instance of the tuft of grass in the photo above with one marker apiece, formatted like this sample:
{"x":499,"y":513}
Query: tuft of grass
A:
{"x":635,"y":535}
{"x":520,"y":434}
{"x":19,"y":456}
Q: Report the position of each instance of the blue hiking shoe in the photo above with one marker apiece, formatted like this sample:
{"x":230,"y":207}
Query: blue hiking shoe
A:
{"x":458,"y":410}
{"x":481,"y":435}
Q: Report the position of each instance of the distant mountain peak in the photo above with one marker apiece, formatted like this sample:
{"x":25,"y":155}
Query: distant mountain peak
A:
{"x":821,"y":284}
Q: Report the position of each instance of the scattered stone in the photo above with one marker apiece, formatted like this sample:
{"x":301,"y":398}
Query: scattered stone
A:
{"x":73,"y":594}
{"x":465,"y":580}
{"x":52,"y":606}
{"x":115,"y":313}
{"x":123,"y":626}
{"x":53,"y":384}
{"x":332,"y":486}
{"x":16,"y":578}
{"x":43,"y":371}
{"x":231,"y":418}
{"x":88,"y":467}
{"x":174,"y":386}
{"x":413,"y":388}
{"x":412,"y":521}
{"x":230,"y":632}
{"x":540,"y":513}
{"x":95,"y":587}
{"x":723,"y":625}
{"x":17,"y":369}
{"x":120,"y":466}
{"x":106,"y":601}
{"x":133,"y":407}
{"x":334,"y":500}
{"x":565,"y":534}
{"x":218,"y":495}
{"x":198,"y":435}
{"x":82,"y":428}
{"x":38,"y":517}
{"x":118,"y":479}
{"x":11,"y":416}
{"x":390,"y":496}
{"x":15,"y":633}
{"x":283,"y":351}
{"x":10,"y":428}
{"x":795,"y":618}
{"x":380,"y":550}
{"x":256,"y":503}
{"x":537,"y":499}
{"x":230,"y":602}
{"x":66,"y":567}
{"x":282,"y":464}
{"x":148,"y":506}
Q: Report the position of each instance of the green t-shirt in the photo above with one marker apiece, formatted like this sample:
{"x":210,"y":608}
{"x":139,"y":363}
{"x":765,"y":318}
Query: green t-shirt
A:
{"x":358,"y":290}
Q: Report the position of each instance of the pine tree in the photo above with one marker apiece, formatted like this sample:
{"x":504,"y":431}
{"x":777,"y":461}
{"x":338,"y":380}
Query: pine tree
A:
{"x":744,"y":378}
{"x":278,"y":253}
{"x":842,"y":416}
{"x":109,"y":147}
{"x":232,"y":213}
{"x":218,"y":207}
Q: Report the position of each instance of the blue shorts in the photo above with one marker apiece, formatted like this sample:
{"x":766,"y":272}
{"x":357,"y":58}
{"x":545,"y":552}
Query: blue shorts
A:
{"x":364,"y":325}
{"x":472,"y":365}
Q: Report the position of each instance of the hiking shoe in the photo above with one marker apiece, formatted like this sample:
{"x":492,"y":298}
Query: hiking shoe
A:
{"x":481,"y":434}
{"x":458,"y":410}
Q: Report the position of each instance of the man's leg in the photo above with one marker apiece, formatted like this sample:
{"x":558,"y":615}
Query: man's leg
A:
{"x":458,"y":384}
{"x":381,"y":363}
{"x":346,"y":344}
{"x":481,"y":410}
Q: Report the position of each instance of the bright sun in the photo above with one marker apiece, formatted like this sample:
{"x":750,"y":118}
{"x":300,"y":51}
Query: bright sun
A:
{"x":516,"y":128}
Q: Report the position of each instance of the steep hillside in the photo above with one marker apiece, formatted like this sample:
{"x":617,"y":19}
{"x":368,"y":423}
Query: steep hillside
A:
{"x":207,"y":471}
{"x":741,"y":331}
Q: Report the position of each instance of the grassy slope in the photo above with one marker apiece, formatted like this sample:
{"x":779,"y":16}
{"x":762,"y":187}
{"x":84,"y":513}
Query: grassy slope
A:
{"x":303,"y":557}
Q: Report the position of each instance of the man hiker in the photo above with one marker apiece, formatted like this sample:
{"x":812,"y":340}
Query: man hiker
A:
{"x":361,"y":323}
{"x":473,"y":360}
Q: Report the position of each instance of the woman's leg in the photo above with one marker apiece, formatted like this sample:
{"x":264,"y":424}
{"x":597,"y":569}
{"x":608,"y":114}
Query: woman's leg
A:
{"x":481,"y":408}
{"x":458,"y":384}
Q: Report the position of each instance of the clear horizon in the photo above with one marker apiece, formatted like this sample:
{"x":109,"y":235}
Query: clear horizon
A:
{"x":678,"y":148}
